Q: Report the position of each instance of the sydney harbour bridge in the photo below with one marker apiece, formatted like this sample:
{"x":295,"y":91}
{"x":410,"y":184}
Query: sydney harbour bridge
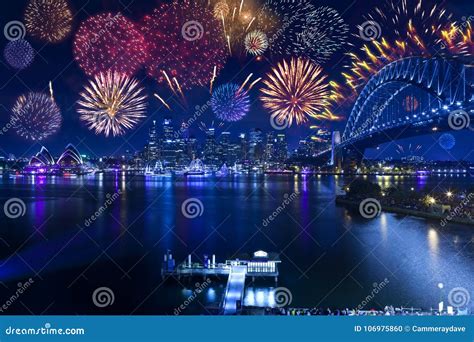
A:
{"x":409,"y":97}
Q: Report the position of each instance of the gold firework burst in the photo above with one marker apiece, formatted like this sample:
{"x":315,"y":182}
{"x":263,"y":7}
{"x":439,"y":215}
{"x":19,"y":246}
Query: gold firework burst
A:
{"x":49,"y":20}
{"x":112,"y":103}
{"x":297,"y":90}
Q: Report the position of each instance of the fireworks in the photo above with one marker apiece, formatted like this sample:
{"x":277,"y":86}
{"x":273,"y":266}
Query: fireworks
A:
{"x":297,"y":90}
{"x":19,"y":54}
{"x":447,"y":141}
{"x":109,"y":42}
{"x":459,"y":39}
{"x":418,"y":28}
{"x":48,"y":20}
{"x":300,"y":29}
{"x":185,"y":43}
{"x":409,"y":150}
{"x":256,"y":43}
{"x":324,"y":34}
{"x":237,"y":18}
{"x":230,"y":102}
{"x":221,"y":9}
{"x":112,"y":103}
{"x":414,"y":21}
{"x":36,"y":116}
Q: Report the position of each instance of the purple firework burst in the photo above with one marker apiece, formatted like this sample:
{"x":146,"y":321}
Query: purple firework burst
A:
{"x":230,"y":103}
{"x":19,"y":54}
{"x":36,"y":116}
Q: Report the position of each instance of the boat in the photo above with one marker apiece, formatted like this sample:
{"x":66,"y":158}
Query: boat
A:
{"x":156,"y":171}
{"x":196,"y":168}
{"x":224,"y":171}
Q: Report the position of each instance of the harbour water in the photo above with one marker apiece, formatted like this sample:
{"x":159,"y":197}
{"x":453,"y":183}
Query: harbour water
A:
{"x":79,"y":234}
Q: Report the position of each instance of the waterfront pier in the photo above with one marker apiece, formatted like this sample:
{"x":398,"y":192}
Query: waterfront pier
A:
{"x":262,"y":264}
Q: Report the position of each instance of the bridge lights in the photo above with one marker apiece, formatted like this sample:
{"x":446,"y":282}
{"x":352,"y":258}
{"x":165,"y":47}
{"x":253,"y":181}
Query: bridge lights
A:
{"x":449,"y":194}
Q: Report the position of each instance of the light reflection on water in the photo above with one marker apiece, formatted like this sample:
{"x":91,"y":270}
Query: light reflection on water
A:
{"x":330,"y":255}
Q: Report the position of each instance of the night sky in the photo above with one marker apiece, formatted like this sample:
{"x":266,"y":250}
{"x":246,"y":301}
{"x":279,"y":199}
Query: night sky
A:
{"x":55,"y":62}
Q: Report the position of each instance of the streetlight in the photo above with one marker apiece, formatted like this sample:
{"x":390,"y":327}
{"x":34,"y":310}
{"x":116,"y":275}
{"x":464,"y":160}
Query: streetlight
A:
{"x":449,"y":194}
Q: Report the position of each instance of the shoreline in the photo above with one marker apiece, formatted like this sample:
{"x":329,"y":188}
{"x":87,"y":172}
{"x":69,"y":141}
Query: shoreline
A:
{"x":341,"y":200}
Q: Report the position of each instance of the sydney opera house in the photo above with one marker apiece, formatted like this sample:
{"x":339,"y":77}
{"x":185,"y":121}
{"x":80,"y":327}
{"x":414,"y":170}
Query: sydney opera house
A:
{"x":69,"y":162}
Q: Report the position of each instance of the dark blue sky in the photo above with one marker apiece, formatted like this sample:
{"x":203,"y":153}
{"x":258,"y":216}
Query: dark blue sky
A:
{"x":56,"y":62}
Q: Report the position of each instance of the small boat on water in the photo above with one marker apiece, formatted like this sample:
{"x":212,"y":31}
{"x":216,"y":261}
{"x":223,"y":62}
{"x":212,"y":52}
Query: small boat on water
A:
{"x":196,"y":168}
{"x":224,"y":171}
{"x":157,"y":171}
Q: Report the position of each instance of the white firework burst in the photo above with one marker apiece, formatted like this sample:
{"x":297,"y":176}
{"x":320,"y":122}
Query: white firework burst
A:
{"x":112,"y":103}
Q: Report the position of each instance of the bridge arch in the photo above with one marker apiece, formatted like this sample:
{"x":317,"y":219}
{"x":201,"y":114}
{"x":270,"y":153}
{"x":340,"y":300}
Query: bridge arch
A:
{"x":431,"y":88}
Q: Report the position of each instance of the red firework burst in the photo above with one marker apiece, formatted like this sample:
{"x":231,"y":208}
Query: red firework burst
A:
{"x":109,"y":42}
{"x":185,"y":43}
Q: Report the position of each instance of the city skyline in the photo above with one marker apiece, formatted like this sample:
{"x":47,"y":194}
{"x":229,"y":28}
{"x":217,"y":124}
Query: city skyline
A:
{"x":57,"y":65}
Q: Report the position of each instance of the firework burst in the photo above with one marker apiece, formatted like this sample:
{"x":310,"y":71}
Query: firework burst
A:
{"x":221,"y":9}
{"x":297,"y":90}
{"x":112,"y":103}
{"x":416,"y":21}
{"x":325,"y":33}
{"x":237,"y":18}
{"x":459,"y":39}
{"x":418,"y":28}
{"x":447,"y":141}
{"x":109,"y":42}
{"x":230,"y":102}
{"x":48,"y":20}
{"x":36,"y":116}
{"x":19,"y":54}
{"x":185,"y":43}
{"x":256,"y":43}
{"x":299,"y":28}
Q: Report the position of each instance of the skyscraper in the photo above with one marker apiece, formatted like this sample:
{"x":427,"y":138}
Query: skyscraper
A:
{"x":153,"y":148}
